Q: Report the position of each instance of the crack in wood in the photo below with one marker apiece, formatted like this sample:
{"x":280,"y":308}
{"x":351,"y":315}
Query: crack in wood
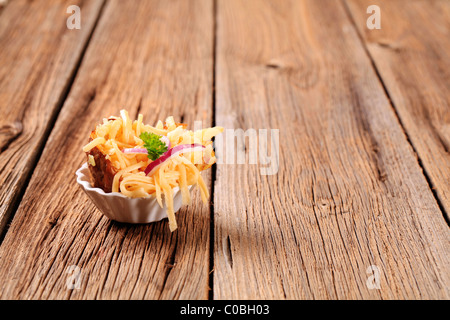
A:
{"x":364,"y":124}
{"x":138,"y":110}
{"x":170,"y":265}
{"x":9,"y":133}
{"x":228,"y":252}
{"x":273,"y":66}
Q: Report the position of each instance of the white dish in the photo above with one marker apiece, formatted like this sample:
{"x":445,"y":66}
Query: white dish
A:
{"x":120,"y":208}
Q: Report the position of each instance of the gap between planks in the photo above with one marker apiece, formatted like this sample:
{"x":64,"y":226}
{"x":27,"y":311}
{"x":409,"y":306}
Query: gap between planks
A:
{"x":213,"y":168}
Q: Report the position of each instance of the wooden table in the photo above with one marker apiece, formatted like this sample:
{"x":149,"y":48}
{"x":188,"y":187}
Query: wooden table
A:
{"x":358,"y":208}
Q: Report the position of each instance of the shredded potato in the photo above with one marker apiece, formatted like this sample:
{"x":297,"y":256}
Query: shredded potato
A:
{"x":118,"y":133}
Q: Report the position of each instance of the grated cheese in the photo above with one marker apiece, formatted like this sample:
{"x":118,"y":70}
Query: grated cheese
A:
{"x":117,"y":133}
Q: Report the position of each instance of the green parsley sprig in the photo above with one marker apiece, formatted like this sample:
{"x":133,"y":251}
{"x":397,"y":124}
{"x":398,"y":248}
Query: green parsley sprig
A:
{"x":152,"y":142}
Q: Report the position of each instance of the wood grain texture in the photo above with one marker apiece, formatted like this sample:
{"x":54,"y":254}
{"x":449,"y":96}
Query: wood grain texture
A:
{"x":153,"y":57}
{"x":3,"y":4}
{"x":38,"y":59}
{"x":412,"y":54}
{"x":349,"y":192}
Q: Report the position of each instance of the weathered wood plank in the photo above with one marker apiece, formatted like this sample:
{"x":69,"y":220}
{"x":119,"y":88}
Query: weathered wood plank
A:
{"x":349,"y":192}
{"x":154,"y":57}
{"x":3,"y":4}
{"x":412,"y":54}
{"x":38,"y":59}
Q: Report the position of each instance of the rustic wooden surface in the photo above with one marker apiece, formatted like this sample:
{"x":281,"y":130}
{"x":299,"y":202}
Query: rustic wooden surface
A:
{"x":363,"y":160}
{"x":125,"y":66}
{"x":38,"y":59}
{"x":340,"y":201}
{"x":412,"y":54}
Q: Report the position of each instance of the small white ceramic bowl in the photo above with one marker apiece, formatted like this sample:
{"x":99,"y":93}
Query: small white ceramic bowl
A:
{"x":120,"y":208}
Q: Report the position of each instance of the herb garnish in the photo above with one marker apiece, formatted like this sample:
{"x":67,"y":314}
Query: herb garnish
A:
{"x":152,"y":142}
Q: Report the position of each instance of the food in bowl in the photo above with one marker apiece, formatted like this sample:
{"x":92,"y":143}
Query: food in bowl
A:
{"x":138,"y":160}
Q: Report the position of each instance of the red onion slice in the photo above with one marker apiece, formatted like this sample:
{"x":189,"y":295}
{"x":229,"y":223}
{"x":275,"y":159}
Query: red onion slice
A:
{"x":184,"y":148}
{"x":135,"y":150}
{"x":143,"y":150}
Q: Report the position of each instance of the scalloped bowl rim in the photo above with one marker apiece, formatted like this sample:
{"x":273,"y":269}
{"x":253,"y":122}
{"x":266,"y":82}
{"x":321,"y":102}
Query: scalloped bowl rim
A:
{"x":137,"y":210}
